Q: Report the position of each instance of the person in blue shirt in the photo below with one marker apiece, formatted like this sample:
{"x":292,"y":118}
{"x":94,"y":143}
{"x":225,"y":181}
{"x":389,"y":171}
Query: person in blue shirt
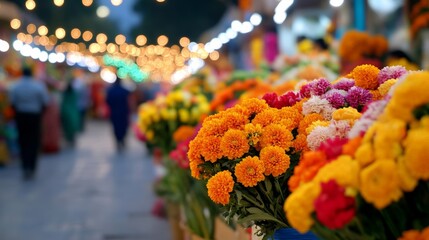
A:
{"x":28,"y":98}
{"x":117,"y":99}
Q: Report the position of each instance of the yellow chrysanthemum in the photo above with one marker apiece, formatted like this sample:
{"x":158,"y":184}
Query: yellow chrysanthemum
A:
{"x":406,"y":181}
{"x":253,"y":133}
{"x":267,"y":117}
{"x":384,"y":88}
{"x":299,"y":206}
{"x":276,"y":161}
{"x":234,"y":144}
{"x":376,"y":95}
{"x":220,"y":186}
{"x":276,"y":135}
{"x":250,"y":171}
{"x":380,"y":183}
{"x":366,"y":76}
{"x":416,"y":153}
{"x":387,"y":139}
{"x":349,"y":113}
{"x":210,"y":148}
{"x":408,"y":95}
{"x":315,"y":124}
{"x":344,"y":171}
{"x":365,"y":155}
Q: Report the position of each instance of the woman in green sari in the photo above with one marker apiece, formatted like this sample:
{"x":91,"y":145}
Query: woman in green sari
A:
{"x":70,"y":116}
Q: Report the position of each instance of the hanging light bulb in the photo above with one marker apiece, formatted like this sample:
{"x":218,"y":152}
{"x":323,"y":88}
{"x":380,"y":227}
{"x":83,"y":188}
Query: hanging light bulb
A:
{"x":30,"y":4}
{"x":58,"y":3}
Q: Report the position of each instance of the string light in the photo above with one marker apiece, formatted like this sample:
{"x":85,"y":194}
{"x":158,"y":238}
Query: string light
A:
{"x":87,"y":3}
{"x":60,"y":33}
{"x":75,"y":33}
{"x":120,"y":39}
{"x":87,"y":36}
{"x":42,"y":30}
{"x":30,"y":4}
{"x":184,"y":41}
{"x":15,"y":23}
{"x":101,"y":38}
{"x":58,"y":3}
{"x":31,"y":28}
{"x":116,"y":2}
{"x":162,"y":40}
{"x":141,"y":40}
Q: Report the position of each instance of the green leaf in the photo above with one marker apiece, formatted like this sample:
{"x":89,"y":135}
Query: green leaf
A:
{"x":261,"y":216}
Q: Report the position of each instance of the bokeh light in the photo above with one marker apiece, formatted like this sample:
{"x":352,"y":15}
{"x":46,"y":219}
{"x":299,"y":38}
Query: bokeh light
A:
{"x":42,"y":30}
{"x":30,"y":4}
{"x":75,"y":33}
{"x":141,"y":40}
{"x":87,"y":3}
{"x":120,"y":39}
{"x":15,"y":23}
{"x":87,"y":36}
{"x":60,"y":33}
{"x":31,"y":28}
{"x":58,"y":3}
{"x":162,"y":40}
{"x":116,"y":2}
{"x":103,"y":11}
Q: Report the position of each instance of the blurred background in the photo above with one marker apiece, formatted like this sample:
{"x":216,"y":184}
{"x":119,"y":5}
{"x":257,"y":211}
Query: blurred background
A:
{"x":97,"y":171}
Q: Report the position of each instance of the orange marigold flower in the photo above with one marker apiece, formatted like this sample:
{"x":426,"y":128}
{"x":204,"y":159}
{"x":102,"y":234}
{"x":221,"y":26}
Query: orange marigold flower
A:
{"x":276,"y":135}
{"x":267,"y":117}
{"x":213,"y":127}
{"x":276,"y":161}
{"x":291,"y":113}
{"x":235,"y":120}
{"x":351,"y":146}
{"x":234,"y":144}
{"x":250,"y":171}
{"x":308,"y":120}
{"x":195,"y":158}
{"x":183,"y":133}
{"x":366,"y":76}
{"x":210,"y":148}
{"x":219,"y":186}
{"x":308,"y":167}
{"x":300,"y":143}
{"x":410,"y":235}
{"x":254,"y":105}
{"x":253,"y":132}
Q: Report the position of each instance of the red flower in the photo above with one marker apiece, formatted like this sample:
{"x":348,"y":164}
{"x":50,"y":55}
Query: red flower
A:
{"x":272,"y":100}
{"x":333,"y":147}
{"x":179,"y":155}
{"x":286,"y":100}
{"x":333,"y":208}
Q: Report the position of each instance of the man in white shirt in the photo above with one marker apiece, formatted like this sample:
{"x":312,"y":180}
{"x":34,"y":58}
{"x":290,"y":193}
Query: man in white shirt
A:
{"x":28,"y":98}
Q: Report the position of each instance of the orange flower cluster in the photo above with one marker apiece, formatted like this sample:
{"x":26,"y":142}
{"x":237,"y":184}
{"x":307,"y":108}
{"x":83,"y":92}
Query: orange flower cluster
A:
{"x":250,"y":140}
{"x":183,"y":133}
{"x":230,"y":93}
{"x":366,"y":76}
{"x":416,"y":234}
{"x":308,"y":167}
{"x":356,"y":45}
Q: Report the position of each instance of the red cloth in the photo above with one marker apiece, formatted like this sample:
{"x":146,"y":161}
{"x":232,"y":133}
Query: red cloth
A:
{"x":51,"y":128}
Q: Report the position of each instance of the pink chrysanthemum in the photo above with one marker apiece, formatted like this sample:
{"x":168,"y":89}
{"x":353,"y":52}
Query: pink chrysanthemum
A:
{"x":393,"y":72}
{"x":317,"y":105}
{"x":337,"y":98}
{"x":344,"y":84}
{"x":358,"y":97}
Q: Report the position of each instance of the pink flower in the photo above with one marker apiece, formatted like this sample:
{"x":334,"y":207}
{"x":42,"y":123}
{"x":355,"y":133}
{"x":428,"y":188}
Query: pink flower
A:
{"x":337,"y":98}
{"x":180,"y":156}
{"x":344,"y":84}
{"x":358,"y":97}
{"x":318,"y":105}
{"x":333,"y":208}
{"x":316,"y":87}
{"x":371,"y":114}
{"x":318,"y":136}
{"x":333,"y":147}
{"x":393,"y":72}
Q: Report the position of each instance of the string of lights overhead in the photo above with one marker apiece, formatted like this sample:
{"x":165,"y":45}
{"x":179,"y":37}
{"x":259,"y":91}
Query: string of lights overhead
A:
{"x":31,"y":4}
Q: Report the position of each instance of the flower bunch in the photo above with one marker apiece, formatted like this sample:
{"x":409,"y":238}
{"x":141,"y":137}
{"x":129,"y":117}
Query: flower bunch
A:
{"x":357,"y":45}
{"x":158,"y":120}
{"x":246,"y":154}
{"x":418,"y":16}
{"x":375,"y":183}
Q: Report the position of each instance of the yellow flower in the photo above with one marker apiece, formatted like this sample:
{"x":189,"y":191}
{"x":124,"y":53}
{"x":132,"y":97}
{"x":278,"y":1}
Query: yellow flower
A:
{"x":349,"y":113}
{"x":380,"y":183}
{"x":365,"y":155}
{"x":150,"y":135}
{"x":384,"y":88}
{"x":406,"y":181}
{"x":276,"y":135}
{"x":172,"y":114}
{"x":317,"y":123}
{"x":184,"y":115}
{"x":299,"y":206}
{"x":250,"y":171}
{"x":164,"y":114}
{"x":416,"y":153}
{"x":276,"y":161}
{"x":253,"y":133}
{"x":344,"y":171}
{"x":234,"y":144}
{"x":408,"y":95}
{"x":366,"y":76}
{"x":220,"y":186}
{"x":387,"y":139}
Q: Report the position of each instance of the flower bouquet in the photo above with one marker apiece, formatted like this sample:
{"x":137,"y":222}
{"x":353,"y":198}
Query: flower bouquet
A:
{"x":374,"y":183}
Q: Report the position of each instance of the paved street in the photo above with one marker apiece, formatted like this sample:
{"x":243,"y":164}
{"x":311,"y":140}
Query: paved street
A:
{"x":87,"y":193}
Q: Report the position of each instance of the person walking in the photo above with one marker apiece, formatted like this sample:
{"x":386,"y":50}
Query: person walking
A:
{"x":117,"y":99}
{"x":29,"y":99}
{"x":70,"y":115}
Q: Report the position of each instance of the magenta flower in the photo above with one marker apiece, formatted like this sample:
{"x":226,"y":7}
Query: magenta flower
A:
{"x":289,"y":99}
{"x":337,"y":98}
{"x":344,"y":84}
{"x":393,"y":72}
{"x":358,"y":97}
{"x":316,"y":87}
